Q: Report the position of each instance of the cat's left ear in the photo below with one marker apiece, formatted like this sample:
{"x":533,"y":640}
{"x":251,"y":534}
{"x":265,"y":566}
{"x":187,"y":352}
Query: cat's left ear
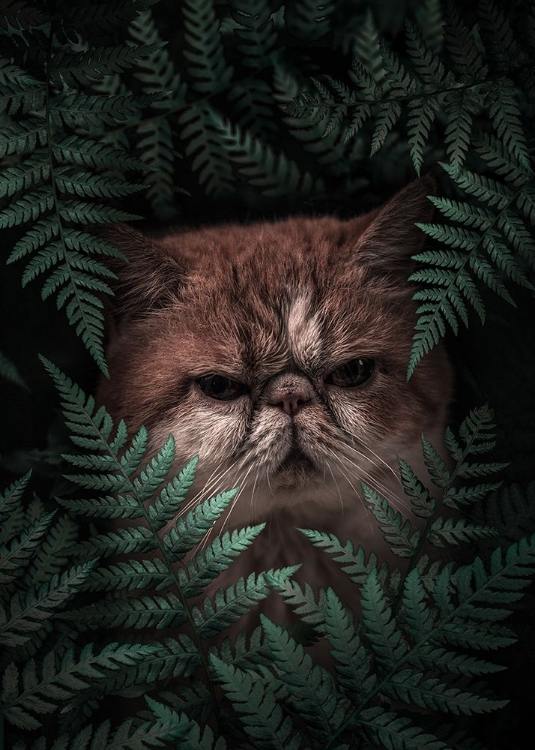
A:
{"x":391,"y":237}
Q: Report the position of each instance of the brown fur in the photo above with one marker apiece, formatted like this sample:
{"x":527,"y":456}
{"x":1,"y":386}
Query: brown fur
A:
{"x":291,"y":299}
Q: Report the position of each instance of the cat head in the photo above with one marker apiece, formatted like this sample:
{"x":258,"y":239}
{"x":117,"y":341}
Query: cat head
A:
{"x":278,"y":351}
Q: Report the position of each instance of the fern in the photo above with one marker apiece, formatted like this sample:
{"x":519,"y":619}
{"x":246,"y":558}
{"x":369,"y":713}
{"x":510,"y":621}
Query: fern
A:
{"x":124,"y":470}
{"x":49,"y":177}
{"x":410,"y":632}
{"x":492,"y":243}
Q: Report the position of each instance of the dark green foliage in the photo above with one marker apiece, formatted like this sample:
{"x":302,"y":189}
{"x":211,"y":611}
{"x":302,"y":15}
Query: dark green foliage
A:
{"x":116,"y":110}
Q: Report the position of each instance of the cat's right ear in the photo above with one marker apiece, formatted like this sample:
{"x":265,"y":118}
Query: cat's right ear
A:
{"x":148,"y":278}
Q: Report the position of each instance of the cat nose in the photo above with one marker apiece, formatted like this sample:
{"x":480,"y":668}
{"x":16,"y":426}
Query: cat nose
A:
{"x":290,"y":393}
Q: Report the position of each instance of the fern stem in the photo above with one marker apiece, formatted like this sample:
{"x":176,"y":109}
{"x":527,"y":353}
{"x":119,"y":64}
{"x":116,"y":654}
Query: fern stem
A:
{"x":490,"y":79}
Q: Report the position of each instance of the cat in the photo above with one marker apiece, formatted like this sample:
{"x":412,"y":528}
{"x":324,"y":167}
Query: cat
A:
{"x":278,"y":352}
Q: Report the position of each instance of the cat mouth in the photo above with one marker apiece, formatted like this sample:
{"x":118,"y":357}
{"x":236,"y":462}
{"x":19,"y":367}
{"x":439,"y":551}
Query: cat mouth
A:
{"x":296,"y":467}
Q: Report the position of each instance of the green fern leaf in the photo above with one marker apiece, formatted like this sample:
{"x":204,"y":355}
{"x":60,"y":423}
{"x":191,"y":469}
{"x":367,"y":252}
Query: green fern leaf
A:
{"x":127,"y":540}
{"x":505,"y":115}
{"x":14,"y":558}
{"x":422,"y":503}
{"x":134,"y":574}
{"x":313,"y":691}
{"x":380,"y":625}
{"x":22,"y":136}
{"x":231,"y":603}
{"x":187,"y":532}
{"x":204,"y":48}
{"x":209,"y":563}
{"x":54,"y":552}
{"x":86,"y":184}
{"x":262,"y":167}
{"x":260,"y":712}
{"x":350,"y":656}
{"x":28,"y":208}
{"x":412,"y":688}
{"x":10,"y":498}
{"x":354,"y":564}
{"x":256,"y":32}
{"x":393,"y":732}
{"x":132,"y":612}
{"x":398,"y":532}
{"x":200,"y":126}
{"x":81,"y":152}
{"x":446,"y":531}
{"x":167,"y":505}
{"x":46,"y":688}
{"x":105,"y":507}
{"x":30,"y":610}
{"x":303,"y":599}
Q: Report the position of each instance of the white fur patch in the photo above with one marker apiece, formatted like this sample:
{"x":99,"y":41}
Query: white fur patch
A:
{"x":303,"y":330}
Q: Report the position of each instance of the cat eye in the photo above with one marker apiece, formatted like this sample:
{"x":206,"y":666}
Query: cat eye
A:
{"x":352,"y":373}
{"x":221,"y":387}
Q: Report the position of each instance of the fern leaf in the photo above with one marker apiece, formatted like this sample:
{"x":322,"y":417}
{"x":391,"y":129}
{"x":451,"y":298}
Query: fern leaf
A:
{"x":353,"y":563}
{"x":422,"y":503}
{"x":81,"y":152}
{"x":505,"y":115}
{"x":22,"y":136}
{"x":399,"y":533}
{"x":204,"y":49}
{"x":350,"y":656}
{"x":260,"y":712}
{"x":30,"y":610}
{"x":10,"y":497}
{"x":54,"y":552}
{"x":446,"y":531}
{"x":200,"y":127}
{"x":105,"y":507}
{"x":312,"y":688}
{"x":273,"y":173}
{"x":303,"y":599}
{"x":167,"y":505}
{"x":132,"y":612}
{"x":134,"y":574}
{"x":256,"y":31}
{"x":127,"y":540}
{"x":412,"y":688}
{"x":14,"y":558}
{"x":189,"y":531}
{"x":46,"y":688}
{"x":394,"y":732}
{"x":231,"y":603}
{"x":209,"y":563}
{"x":380,"y":625}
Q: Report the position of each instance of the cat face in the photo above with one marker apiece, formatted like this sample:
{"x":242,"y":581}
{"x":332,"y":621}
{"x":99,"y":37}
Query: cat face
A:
{"x":278,"y":352}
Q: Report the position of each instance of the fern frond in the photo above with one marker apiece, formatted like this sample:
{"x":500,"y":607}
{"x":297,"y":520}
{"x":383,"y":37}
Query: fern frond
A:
{"x":30,"y":610}
{"x":349,"y":654}
{"x":209,"y":563}
{"x":42,"y":689}
{"x":399,"y":533}
{"x":272,"y":172}
{"x":204,"y":48}
{"x":132,"y":612}
{"x":200,"y":126}
{"x":14,"y":558}
{"x":313,"y":692}
{"x":230,"y":604}
{"x":134,"y":574}
{"x":260,"y":712}
{"x":352,"y":562}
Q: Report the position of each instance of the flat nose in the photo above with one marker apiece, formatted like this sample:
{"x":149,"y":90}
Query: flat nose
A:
{"x":289,"y":393}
